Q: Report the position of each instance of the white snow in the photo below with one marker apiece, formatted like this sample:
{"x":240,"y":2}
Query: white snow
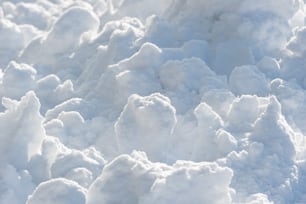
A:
{"x":59,"y":191}
{"x":152,"y":101}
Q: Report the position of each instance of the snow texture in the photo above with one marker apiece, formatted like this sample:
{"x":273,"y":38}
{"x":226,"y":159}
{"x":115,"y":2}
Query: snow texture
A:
{"x":152,"y":101}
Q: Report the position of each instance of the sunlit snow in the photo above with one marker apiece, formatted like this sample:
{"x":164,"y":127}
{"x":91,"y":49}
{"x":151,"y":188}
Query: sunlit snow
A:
{"x":152,"y":102}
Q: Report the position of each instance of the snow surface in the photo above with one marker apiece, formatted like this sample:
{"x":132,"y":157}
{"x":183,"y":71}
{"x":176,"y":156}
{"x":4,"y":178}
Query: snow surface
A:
{"x":152,"y":101}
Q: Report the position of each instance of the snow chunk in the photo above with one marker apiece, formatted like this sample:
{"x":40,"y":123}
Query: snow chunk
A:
{"x":18,"y":79}
{"x":207,"y":117}
{"x":188,"y":74}
{"x":210,"y":140}
{"x":191,"y":182}
{"x":73,"y":104}
{"x":293,"y":62}
{"x":61,"y":191}
{"x":243,"y":113}
{"x":140,"y":9}
{"x":273,"y":126}
{"x":64,"y":37}
{"x":297,"y":42}
{"x":248,"y":80}
{"x":22,"y":131}
{"x":258,"y":198}
{"x":33,"y":14}
{"x":81,"y":175}
{"x":269,"y":66}
{"x":40,"y":164}
{"x":51,"y":91}
{"x":293,"y":98}
{"x":71,"y":25}
{"x":121,"y":80}
{"x":124,"y":180}
{"x":219,"y":99}
{"x":67,"y":161}
{"x":146,"y":124}
{"x":70,"y":128}
{"x":186,"y":80}
{"x":11,"y":41}
{"x":268,"y":166}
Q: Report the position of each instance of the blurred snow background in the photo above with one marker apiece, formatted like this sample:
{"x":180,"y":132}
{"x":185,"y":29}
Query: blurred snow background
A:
{"x":152,"y":101}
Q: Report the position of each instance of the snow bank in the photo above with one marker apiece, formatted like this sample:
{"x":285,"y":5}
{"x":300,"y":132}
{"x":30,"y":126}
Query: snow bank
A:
{"x":121,"y":101}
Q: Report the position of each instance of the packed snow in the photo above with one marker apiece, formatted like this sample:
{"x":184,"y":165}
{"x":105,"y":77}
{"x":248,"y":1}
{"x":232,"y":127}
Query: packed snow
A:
{"x":152,"y":101}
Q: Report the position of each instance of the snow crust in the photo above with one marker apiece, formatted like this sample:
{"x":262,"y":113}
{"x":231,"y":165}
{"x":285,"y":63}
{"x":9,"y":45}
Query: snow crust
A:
{"x":152,"y":101}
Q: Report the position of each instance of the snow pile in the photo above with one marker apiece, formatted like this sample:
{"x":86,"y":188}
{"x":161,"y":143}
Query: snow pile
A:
{"x":168,"y":101}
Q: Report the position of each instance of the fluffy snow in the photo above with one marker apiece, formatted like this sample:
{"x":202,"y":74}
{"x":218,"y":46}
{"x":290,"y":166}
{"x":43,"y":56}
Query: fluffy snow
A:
{"x":152,"y":101}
